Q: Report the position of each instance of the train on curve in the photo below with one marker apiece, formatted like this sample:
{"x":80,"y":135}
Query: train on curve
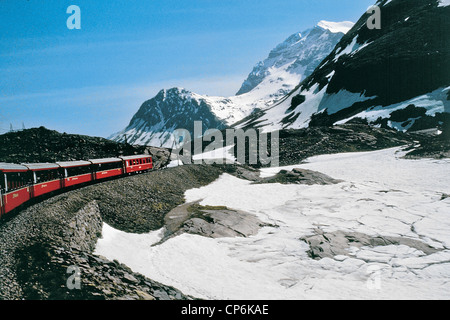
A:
{"x":20,"y":183}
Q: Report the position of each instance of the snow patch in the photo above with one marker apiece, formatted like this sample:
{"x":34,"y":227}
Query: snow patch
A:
{"x":341,"y":100}
{"x":434,"y":102}
{"x":347,"y":50}
{"x":175,"y":163}
{"x":221,"y":153}
{"x":444,"y":3}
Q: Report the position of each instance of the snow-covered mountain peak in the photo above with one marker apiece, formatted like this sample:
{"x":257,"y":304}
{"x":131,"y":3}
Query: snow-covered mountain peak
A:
{"x":336,"y":27}
{"x":286,"y":65}
{"x":298,"y":55}
{"x":175,"y":91}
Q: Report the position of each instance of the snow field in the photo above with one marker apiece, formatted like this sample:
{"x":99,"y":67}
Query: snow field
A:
{"x":382,"y":195}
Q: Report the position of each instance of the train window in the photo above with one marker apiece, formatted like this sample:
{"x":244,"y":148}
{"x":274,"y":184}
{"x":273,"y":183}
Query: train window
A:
{"x":17,"y":180}
{"x":114,"y":165}
{"x":47,"y":175}
{"x":2,"y":181}
{"x":108,"y":166}
{"x":76,"y":171}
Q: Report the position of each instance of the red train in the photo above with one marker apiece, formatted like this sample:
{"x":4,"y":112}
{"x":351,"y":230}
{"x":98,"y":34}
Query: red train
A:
{"x":21,"y":182}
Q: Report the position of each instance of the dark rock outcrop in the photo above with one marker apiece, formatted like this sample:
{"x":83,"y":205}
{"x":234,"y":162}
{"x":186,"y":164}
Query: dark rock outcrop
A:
{"x":299,"y":176}
{"x":209,"y":221}
{"x":44,"y":145}
{"x":330,"y":244}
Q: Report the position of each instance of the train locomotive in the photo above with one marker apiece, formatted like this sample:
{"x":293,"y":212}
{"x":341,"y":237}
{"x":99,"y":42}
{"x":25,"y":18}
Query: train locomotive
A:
{"x":20,"y":183}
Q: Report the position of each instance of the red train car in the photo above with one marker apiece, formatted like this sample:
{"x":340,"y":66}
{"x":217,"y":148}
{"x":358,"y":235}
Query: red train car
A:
{"x":75,"y":172}
{"x":137,"y":163}
{"x":46,"y":178}
{"x":15,"y":183}
{"x":107,"y":167}
{"x":20,"y":183}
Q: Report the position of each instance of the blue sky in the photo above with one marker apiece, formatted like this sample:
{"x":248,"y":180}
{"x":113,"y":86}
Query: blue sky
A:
{"x":91,"y":81}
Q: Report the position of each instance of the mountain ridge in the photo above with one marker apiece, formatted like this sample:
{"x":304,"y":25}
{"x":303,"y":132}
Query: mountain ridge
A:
{"x":278,"y":74}
{"x":371,"y":73}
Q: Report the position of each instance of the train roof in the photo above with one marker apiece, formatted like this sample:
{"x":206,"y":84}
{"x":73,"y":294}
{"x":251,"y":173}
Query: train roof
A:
{"x":136,"y":157}
{"x":104,"y":160}
{"x":69,"y":164}
{"x":12,"y":167}
{"x":41,"y":166}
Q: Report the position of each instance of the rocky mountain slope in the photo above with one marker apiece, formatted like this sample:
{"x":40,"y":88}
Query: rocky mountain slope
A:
{"x":270,"y":80}
{"x":296,"y":145}
{"x":297,"y":56}
{"x":372,"y":73}
{"x":169,"y":110}
{"x":44,"y":145}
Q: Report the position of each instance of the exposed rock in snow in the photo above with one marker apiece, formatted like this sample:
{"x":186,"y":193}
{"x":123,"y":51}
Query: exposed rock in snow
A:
{"x":337,"y":243}
{"x":209,"y":221}
{"x":299,"y":176}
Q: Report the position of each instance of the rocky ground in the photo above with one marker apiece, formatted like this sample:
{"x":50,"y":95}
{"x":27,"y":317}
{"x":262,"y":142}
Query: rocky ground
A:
{"x":300,"y":144}
{"x":430,"y":147}
{"x":296,"y":145}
